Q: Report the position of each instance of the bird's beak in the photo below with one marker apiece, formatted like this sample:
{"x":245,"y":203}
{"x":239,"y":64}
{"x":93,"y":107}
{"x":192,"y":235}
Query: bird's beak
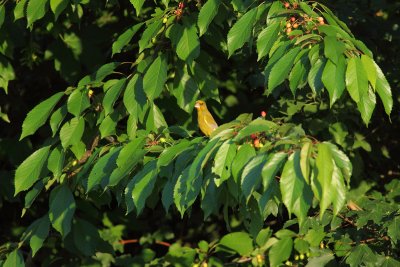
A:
{"x":197,"y":105}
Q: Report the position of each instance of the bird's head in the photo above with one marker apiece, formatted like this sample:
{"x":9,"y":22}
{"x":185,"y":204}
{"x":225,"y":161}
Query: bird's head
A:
{"x":200,"y":105}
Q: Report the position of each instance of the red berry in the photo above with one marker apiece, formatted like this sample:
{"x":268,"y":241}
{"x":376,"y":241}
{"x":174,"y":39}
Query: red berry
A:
{"x":263,"y":114}
{"x":286,"y":4}
{"x":253,"y":136}
{"x":256,"y":143}
{"x":181,"y":5}
{"x":292,"y":19}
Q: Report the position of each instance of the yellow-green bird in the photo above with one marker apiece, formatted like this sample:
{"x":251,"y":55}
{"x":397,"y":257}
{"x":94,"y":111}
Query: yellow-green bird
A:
{"x":206,"y":121}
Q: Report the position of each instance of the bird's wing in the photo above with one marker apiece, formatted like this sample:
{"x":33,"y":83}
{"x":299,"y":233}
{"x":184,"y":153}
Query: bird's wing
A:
{"x":209,"y":120}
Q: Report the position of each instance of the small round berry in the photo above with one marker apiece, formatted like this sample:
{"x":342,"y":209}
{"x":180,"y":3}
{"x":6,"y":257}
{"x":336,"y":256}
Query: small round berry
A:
{"x":263,"y":114}
{"x":253,"y":136}
{"x":295,"y":5}
{"x":288,"y":25}
{"x":74,"y":163}
{"x":165,"y":20}
{"x":321,"y":23}
{"x":320,"y":19}
{"x":259,"y":259}
{"x":292,"y":19}
{"x":308,"y":254}
{"x":288,"y":263}
{"x":295,"y":25}
{"x":163,"y":140}
{"x":90,"y":93}
{"x":256,"y":143}
{"x":181,"y":5}
{"x":288,"y":30}
{"x":286,"y":4}
{"x":302,"y":256}
{"x":296,"y":257}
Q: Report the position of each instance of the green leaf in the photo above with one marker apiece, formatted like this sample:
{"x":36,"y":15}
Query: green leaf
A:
{"x":361,"y":255}
{"x":338,"y":192}
{"x":254,"y":127}
{"x":188,"y":46}
{"x":155,"y":78}
{"x":281,"y":69}
{"x":57,"y":117}
{"x":137,"y":4}
{"x":37,"y":232}
{"x":223,"y":161}
{"x":86,"y":237}
{"x":127,"y":159}
{"x":112,"y":95}
{"x":2,"y":14}
{"x":299,"y":73}
{"x":333,"y":77}
{"x":384,"y":91}
{"x":240,"y":32}
{"x":55,"y":162}
{"x":155,"y":119}
{"x":58,"y":6}
{"x":78,"y":101}
{"x":210,"y":195}
{"x":369,"y":67}
{"x":280,"y":251}
{"x":36,"y":10}
{"x":251,"y":175}
{"x":125,"y":38}
{"x":186,"y":90}
{"x":98,"y":75}
{"x":244,"y":154}
{"x":305,"y":155}
{"x":149,"y":33}
{"x":342,"y":161}
{"x":266,"y":39}
{"x":172,"y":152}
{"x":333,"y":48}
{"x":39,"y":114}
{"x":109,"y":125}
{"x":324,"y":163}
{"x":315,"y":76}
{"x":71,"y":132}
{"x":14,"y":259}
{"x":30,"y":169}
{"x":103,"y":168}
{"x":143,"y":184}
{"x":356,"y":79}
{"x":201,"y":159}
{"x":322,"y":260}
{"x":306,"y":8}
{"x":238,"y":242}
{"x":19,"y":10}
{"x":296,"y":194}
{"x":207,"y":14}
{"x":271,"y":168}
{"x":366,"y":105}
{"x":394,"y":230}
{"x":61,"y":209}
{"x":134,"y":98}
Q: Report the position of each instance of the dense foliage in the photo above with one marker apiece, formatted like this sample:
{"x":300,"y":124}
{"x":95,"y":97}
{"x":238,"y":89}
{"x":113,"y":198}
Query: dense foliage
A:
{"x":111,"y":169}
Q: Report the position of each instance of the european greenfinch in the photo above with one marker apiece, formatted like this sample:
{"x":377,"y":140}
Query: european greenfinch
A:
{"x":206,"y":121}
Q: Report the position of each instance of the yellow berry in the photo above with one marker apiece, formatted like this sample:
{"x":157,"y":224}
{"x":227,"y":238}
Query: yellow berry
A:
{"x":163,"y":140}
{"x":288,"y":25}
{"x":259,"y":259}
{"x":302,"y":256}
{"x":260,"y":145}
{"x":308,"y":254}
{"x":296,"y":257}
{"x":165,"y":20}
{"x":321,"y":245}
{"x":74,"y":163}
{"x":90,"y":93}
{"x":288,"y":263}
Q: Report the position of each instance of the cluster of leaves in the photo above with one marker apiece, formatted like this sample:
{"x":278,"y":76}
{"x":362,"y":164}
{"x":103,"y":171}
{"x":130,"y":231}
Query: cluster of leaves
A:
{"x":114,"y":134}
